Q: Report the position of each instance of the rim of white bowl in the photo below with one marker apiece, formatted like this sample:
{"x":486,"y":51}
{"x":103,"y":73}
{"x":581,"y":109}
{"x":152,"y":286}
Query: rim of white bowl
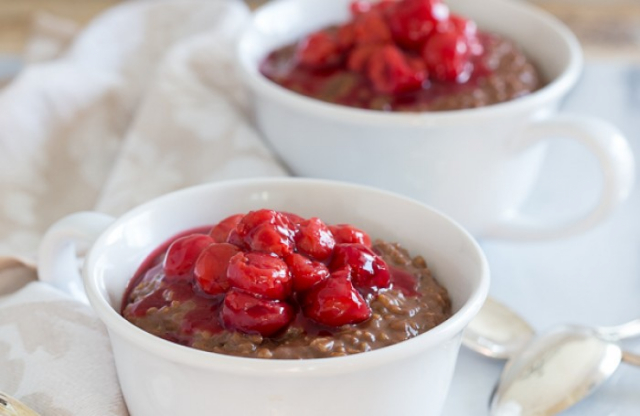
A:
{"x":554,"y":89}
{"x":287,"y":367}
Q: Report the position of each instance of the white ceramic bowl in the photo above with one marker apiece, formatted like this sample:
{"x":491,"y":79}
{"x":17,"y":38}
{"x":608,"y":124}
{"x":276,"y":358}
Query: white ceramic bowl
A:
{"x":162,"y":378}
{"x":477,"y":165}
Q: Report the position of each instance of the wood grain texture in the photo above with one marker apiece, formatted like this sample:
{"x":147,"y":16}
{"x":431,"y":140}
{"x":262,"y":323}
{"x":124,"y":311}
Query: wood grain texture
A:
{"x":16,"y":17}
{"x":606,"y":28}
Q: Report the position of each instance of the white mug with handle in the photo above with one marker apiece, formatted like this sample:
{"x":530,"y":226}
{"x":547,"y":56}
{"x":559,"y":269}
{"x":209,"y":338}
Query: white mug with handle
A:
{"x":163,"y":378}
{"x":477,"y":165}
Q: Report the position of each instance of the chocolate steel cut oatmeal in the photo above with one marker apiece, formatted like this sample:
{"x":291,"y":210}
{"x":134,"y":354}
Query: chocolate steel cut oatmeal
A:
{"x":175,"y":310}
{"x":502,"y":73}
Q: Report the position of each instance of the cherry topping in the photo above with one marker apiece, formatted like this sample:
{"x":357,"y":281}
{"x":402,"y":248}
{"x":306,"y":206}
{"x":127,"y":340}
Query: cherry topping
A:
{"x":182,"y":253}
{"x":319,"y":50}
{"x":266,"y":231}
{"x":465,"y":26}
{"x":305,"y":272}
{"x":293,"y":218}
{"x":345,"y":36}
{"x":274,"y":264}
{"x":359,"y":7}
{"x":347,"y":233}
{"x":385,"y":6}
{"x":387,"y":57}
{"x":235,"y":239}
{"x":369,"y":28}
{"x":314,"y":239}
{"x":210,"y":270}
{"x":249,"y":314}
{"x":368,"y":270}
{"x":470,"y":30}
{"x":220,"y":232}
{"x":260,"y":274}
{"x":413,"y":21}
{"x":447,"y":54}
{"x":335,"y":302}
{"x":359,"y":58}
{"x":254,"y":219}
{"x":390,"y":71}
{"x":271,"y":239}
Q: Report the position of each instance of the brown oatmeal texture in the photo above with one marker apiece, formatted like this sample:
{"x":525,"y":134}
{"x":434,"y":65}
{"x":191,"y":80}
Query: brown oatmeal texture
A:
{"x":396,"y":317}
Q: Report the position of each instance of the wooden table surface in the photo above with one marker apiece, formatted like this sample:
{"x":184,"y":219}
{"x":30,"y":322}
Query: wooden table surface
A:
{"x":16,"y":17}
{"x":608,"y":29}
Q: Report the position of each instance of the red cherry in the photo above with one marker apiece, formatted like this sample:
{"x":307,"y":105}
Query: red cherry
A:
{"x":220,"y":232}
{"x":314,"y":239}
{"x":305,"y":272}
{"x":255,"y":218}
{"x":266,"y":231}
{"x":390,"y":72}
{"x":470,"y":30}
{"x":447,"y":55}
{"x":293,"y":218}
{"x":385,"y":6}
{"x":417,"y":65}
{"x":347,"y":233}
{"x":413,"y":21}
{"x":360,"y":7}
{"x":463,"y":25}
{"x":260,"y":274}
{"x":319,"y":50}
{"x":368,"y":270}
{"x":346,"y":36}
{"x":358,"y":59}
{"x":210,"y":270}
{"x":369,"y":28}
{"x":335,"y":302}
{"x":245,"y":313}
{"x":235,"y":239}
{"x":183,"y":253}
{"x":270,"y":239}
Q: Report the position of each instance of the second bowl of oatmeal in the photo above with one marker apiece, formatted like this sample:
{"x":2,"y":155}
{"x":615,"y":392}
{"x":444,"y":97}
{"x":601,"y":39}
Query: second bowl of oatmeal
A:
{"x":409,"y":376}
{"x":351,"y":91}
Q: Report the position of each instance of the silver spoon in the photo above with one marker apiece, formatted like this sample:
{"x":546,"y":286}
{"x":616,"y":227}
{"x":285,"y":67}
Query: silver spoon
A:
{"x":10,"y":406}
{"x":557,"y":370}
{"x":498,"y":332}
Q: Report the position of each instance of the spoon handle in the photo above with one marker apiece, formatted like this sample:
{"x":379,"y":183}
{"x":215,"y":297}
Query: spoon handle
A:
{"x":631,"y":358}
{"x":616,"y":333}
{"x":10,"y":406}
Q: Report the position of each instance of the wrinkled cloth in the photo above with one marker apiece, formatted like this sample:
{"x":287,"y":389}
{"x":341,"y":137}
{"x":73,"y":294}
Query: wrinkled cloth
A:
{"x":143,"y":101}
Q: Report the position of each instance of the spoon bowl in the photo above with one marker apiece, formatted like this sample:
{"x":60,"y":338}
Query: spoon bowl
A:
{"x":555,"y":371}
{"x":497,"y":331}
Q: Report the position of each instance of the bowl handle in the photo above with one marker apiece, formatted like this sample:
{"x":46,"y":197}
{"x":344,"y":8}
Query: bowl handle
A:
{"x":62,"y":248}
{"x":616,"y":162}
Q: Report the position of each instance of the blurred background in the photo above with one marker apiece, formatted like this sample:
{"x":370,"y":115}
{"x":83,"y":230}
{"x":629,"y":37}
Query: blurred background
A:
{"x":608,"y":29}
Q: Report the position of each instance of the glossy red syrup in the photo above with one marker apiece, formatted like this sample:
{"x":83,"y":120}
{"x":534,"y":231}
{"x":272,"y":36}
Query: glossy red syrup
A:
{"x":205,"y":316}
{"x":342,"y":86}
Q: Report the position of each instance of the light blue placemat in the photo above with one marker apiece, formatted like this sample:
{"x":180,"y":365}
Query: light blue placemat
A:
{"x":590,"y":279}
{"x":9,"y":66}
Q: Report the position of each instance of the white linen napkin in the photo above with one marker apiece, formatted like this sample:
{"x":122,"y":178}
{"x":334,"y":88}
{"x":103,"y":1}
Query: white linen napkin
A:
{"x":145,"y":100}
